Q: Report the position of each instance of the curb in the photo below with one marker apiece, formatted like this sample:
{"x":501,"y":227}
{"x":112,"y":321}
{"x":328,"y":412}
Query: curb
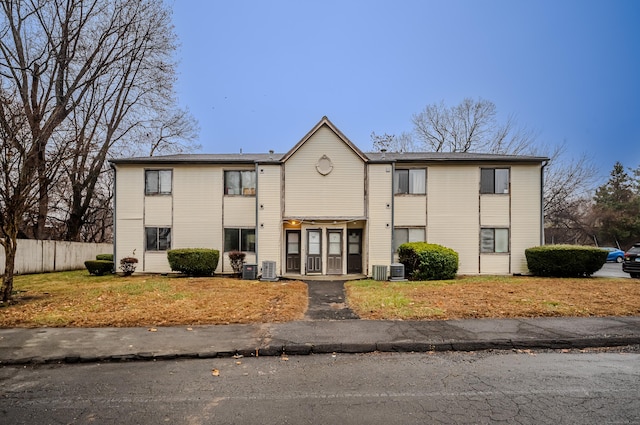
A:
{"x":351,"y":348}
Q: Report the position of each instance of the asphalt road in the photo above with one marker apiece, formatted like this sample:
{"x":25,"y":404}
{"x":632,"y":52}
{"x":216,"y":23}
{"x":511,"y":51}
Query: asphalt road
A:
{"x":597,"y":387}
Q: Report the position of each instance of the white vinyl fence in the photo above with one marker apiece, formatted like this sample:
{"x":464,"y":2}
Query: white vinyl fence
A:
{"x":35,"y":256}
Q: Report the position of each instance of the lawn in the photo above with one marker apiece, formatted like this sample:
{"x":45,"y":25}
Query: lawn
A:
{"x":77,"y":299}
{"x":494,"y":296}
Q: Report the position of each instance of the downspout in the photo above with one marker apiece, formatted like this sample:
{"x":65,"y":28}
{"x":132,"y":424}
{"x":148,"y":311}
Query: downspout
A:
{"x":544,"y":164}
{"x":113,"y":225}
{"x":256,"y":232}
{"x":393,"y":206}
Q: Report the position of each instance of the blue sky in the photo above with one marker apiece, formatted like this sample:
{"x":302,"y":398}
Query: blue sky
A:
{"x":258,"y":75}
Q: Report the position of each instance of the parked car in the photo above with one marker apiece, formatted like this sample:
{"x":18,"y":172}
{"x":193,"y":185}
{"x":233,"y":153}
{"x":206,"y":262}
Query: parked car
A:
{"x":631,"y":262}
{"x":615,"y":254}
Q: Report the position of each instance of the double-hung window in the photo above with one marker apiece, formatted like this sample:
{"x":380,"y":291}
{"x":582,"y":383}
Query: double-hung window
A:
{"x":412,"y":181}
{"x":157,"y":182}
{"x":494,"y":240}
{"x":407,"y":234}
{"x":157,"y":238}
{"x":239,"y":240}
{"x":494,"y":180}
{"x":240,"y":183}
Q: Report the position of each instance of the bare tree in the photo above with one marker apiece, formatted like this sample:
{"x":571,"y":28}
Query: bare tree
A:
{"x":471,"y":126}
{"x":392,"y":143}
{"x":83,"y":74}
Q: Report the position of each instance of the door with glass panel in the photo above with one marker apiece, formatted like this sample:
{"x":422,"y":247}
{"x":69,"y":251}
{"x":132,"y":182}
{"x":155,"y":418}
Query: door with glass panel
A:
{"x":314,"y":251}
{"x":334,"y":251}
{"x":293,"y":251}
{"x":354,"y":251}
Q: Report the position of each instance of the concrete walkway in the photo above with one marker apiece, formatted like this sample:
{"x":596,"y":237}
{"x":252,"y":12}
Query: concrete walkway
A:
{"x":71,"y":345}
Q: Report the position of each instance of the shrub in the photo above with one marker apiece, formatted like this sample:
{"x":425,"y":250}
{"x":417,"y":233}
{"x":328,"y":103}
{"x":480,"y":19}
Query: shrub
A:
{"x":236,"y":258}
{"x":105,"y":257}
{"x":194,"y":261}
{"x":99,"y":267}
{"x":128,"y":265}
{"x":428,"y":261}
{"x":565,"y":260}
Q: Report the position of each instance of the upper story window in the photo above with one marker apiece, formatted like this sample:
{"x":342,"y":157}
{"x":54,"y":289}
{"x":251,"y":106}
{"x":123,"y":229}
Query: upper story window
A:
{"x":412,"y":181}
{"x":240,"y":183}
{"x":157,"y":182}
{"x":494,"y":180}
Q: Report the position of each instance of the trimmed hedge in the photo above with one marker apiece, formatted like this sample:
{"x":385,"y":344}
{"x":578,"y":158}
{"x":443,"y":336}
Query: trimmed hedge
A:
{"x":104,"y":257}
{"x":99,"y":267}
{"x":565,"y":260}
{"x":428,"y":261}
{"x":194,"y":261}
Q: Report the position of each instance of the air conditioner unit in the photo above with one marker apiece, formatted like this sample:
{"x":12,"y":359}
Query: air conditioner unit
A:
{"x":269,"y":271}
{"x":379,"y":272}
{"x":396,"y":272}
{"x":249,"y":271}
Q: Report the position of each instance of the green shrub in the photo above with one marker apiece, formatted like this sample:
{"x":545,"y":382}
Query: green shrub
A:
{"x":428,"y":261}
{"x":104,"y":257}
{"x":194,"y":261}
{"x":565,"y":260}
{"x":99,"y":267}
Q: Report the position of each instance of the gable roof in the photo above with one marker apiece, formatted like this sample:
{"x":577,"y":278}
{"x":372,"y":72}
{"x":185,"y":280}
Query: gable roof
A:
{"x":325,"y":122}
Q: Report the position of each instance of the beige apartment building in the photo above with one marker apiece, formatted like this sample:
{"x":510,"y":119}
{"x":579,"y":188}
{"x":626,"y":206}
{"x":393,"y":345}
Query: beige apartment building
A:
{"x":327,"y":208}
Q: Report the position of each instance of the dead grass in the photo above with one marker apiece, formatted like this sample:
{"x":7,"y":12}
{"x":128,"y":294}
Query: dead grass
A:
{"x":494,"y":296}
{"x":76,"y":299}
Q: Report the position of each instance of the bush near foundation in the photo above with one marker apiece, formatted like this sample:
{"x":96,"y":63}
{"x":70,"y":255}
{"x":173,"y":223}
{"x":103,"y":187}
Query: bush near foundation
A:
{"x":428,"y":261}
{"x":565,"y":260}
{"x":194,"y":261}
{"x":104,"y":257}
{"x":99,"y":267}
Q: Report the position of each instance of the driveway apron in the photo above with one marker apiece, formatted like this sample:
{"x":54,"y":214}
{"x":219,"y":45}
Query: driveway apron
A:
{"x":327,"y":301}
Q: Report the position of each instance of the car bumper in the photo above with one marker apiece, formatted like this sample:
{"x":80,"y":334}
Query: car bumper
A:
{"x":631,"y":267}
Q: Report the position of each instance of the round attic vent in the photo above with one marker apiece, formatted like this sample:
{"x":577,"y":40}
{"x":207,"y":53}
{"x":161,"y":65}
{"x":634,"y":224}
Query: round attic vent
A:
{"x":324,"y":165}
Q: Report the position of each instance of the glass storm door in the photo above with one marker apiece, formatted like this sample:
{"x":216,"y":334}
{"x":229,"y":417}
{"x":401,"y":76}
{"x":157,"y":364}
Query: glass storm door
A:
{"x":354,"y":251}
{"x":293,"y":251}
{"x":314,"y":251}
{"x":334,"y":252}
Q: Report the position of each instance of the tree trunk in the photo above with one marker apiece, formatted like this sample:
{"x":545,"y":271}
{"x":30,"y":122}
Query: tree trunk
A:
{"x":10,"y":248}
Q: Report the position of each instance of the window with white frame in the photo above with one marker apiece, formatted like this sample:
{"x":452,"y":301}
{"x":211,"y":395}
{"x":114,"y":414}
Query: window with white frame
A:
{"x":157,"y":182}
{"x":239,"y":240}
{"x":494,"y":180}
{"x":240,"y":183}
{"x":412,"y":181}
{"x":157,"y":238}
{"x":407,"y":234}
{"x":494,"y":240}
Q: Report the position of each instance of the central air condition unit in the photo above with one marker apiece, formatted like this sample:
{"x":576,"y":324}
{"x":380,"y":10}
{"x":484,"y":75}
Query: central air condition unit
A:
{"x":249,"y":271}
{"x":379,"y":272}
{"x":269,"y":271}
{"x":397,"y":272}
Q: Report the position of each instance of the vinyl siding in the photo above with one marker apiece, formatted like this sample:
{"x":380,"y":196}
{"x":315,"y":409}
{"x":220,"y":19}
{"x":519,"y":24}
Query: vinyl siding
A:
{"x":494,"y":210}
{"x":377,"y":237}
{"x":269,"y":232}
{"x":453,"y":212}
{"x":239,"y":211}
{"x":525,"y":213}
{"x":494,"y":263}
{"x":129,"y":201}
{"x":197,"y":209}
{"x":158,"y":210}
{"x":410,"y":211}
{"x":338,"y":194}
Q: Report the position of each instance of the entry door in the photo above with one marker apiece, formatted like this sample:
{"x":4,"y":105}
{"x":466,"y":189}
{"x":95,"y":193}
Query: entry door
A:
{"x":334,"y":252}
{"x":293,"y":251}
{"x":354,"y":251}
{"x":314,"y":251}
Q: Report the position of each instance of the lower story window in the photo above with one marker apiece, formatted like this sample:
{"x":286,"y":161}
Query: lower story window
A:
{"x":239,"y":240}
{"x":157,"y":238}
{"x":494,"y":240}
{"x":407,"y":234}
